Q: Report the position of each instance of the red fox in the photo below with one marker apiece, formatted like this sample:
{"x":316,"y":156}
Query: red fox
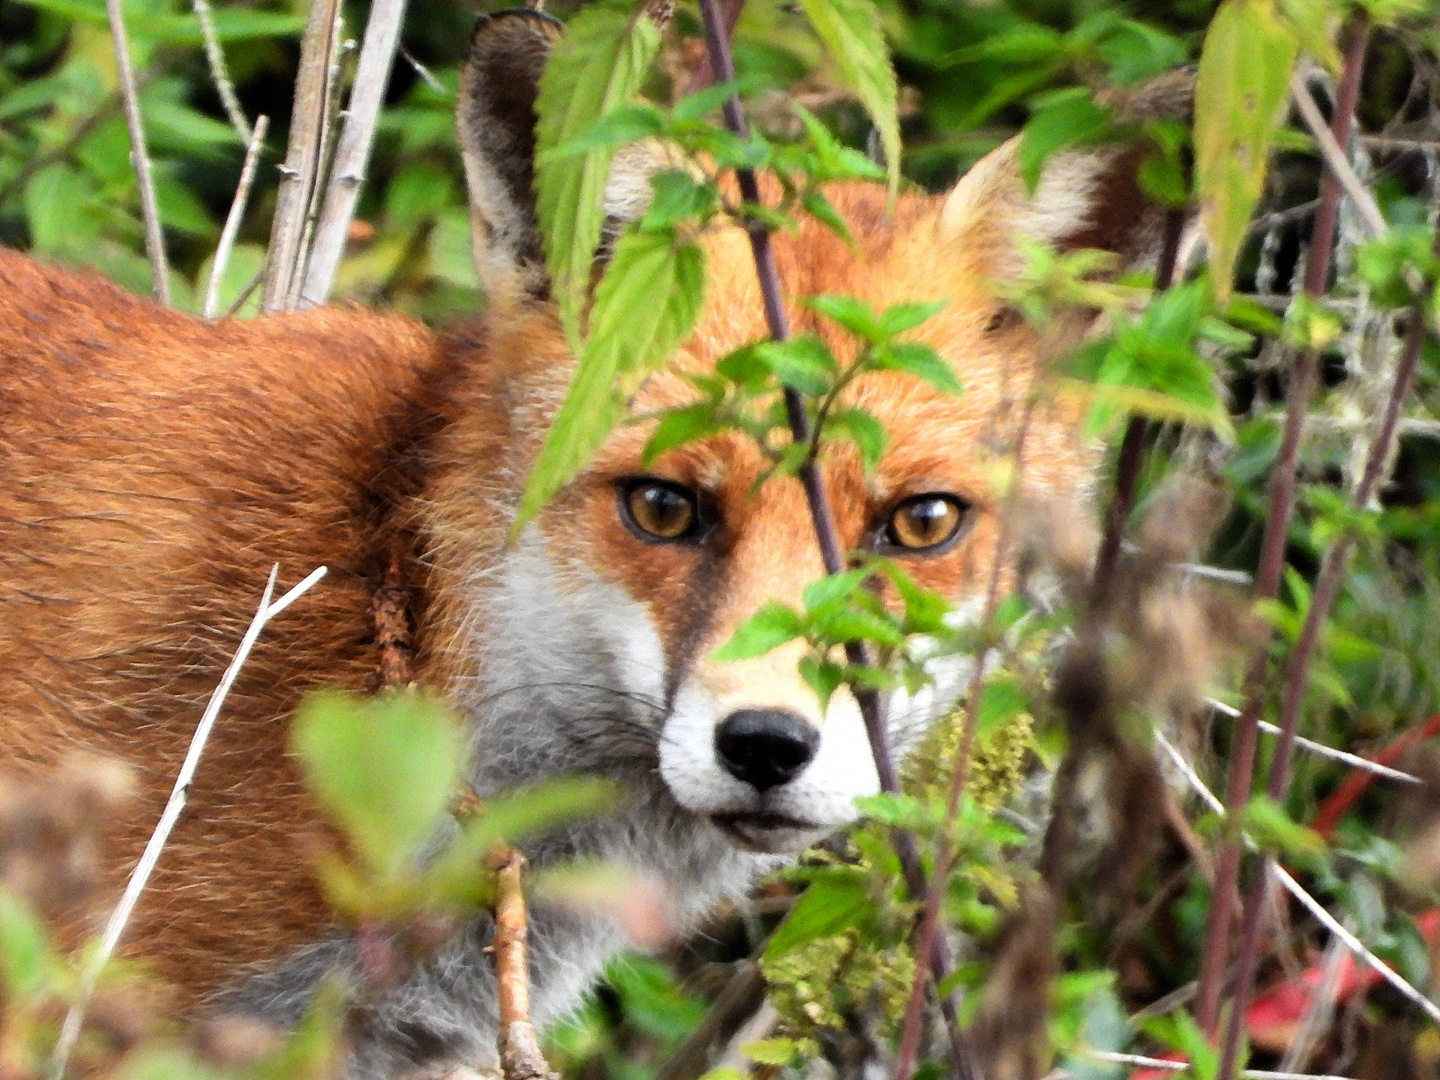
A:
{"x":155,"y":465}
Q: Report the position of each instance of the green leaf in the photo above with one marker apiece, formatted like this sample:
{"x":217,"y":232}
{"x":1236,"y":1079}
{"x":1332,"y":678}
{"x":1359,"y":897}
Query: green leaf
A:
{"x":677,"y":427}
{"x":383,"y":768}
{"x":769,"y":628}
{"x":1245,"y":68}
{"x":1267,"y":823}
{"x":645,"y":305}
{"x":27,"y":962}
{"x":833,"y":588}
{"x":804,"y":363}
{"x":896,"y":320}
{"x":861,"y":428}
{"x":617,"y":127}
{"x":854,"y":315}
{"x":1065,"y":118}
{"x":1000,"y":702}
{"x":829,"y":906}
{"x":1313,"y":22}
{"x":922,"y":361}
{"x":771,"y":1051}
{"x":823,"y":211}
{"x":529,"y":811}
{"x":855,"y":43}
{"x":597,"y":66}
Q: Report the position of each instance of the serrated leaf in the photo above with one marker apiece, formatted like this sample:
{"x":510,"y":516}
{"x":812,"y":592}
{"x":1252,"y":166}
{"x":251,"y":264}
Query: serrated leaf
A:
{"x":833,"y":588}
{"x":851,"y":33}
{"x":823,"y":677}
{"x":382,"y":768}
{"x":596,"y":67}
{"x":1245,"y":68}
{"x":1067,"y":118}
{"x":769,"y":628}
{"x":1000,"y":702}
{"x":1313,"y":21}
{"x":645,"y":305}
{"x":803,"y":363}
{"x":866,"y":432}
{"x":678,"y":427}
{"x":854,"y":315}
{"x":829,"y":906}
{"x":823,"y":211}
{"x":922,"y":361}
{"x":901,"y":317}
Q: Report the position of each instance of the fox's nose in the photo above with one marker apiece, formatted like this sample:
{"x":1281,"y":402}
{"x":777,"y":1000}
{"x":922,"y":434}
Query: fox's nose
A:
{"x":765,"y":747}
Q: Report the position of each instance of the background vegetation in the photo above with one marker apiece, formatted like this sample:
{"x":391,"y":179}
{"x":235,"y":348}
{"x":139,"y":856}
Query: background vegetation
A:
{"x":1109,"y":961}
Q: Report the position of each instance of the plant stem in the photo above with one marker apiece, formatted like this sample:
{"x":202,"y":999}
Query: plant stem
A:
{"x":1272,"y":555}
{"x":139,"y":155}
{"x":215,"y":56}
{"x":235,"y":217}
{"x":352,"y":155}
{"x":1132,"y":446}
{"x":723,"y":65}
{"x":1327,"y":587}
{"x":302,"y":156}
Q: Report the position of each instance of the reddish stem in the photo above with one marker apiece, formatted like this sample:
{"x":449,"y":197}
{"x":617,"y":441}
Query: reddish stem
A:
{"x":1272,"y":554}
{"x":1337,"y":804}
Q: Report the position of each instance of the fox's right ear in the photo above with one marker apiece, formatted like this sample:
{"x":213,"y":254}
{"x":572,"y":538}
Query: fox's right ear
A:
{"x":495,"y":120}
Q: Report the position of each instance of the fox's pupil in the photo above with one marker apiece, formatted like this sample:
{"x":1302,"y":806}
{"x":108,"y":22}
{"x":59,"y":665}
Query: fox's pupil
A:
{"x":924,"y":522}
{"x":661,"y":511}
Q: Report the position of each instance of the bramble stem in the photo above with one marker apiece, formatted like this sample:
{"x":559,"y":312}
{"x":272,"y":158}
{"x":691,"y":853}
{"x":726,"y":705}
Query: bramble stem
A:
{"x":519,"y":1046}
{"x":723,"y":65}
{"x":1272,"y":555}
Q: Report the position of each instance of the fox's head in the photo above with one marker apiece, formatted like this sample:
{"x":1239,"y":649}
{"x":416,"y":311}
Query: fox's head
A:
{"x":607,"y":611}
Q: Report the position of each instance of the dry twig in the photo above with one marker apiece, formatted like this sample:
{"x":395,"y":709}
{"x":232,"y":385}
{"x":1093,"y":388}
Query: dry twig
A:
{"x":140,"y":877}
{"x":219,"y":73}
{"x":236,"y":215}
{"x":139,"y":156}
{"x":519,"y":1046}
{"x":302,"y":157}
{"x":352,"y":155}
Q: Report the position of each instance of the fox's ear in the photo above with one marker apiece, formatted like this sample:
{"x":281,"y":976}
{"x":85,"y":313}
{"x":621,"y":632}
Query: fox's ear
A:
{"x":495,"y":120}
{"x":1088,"y":197}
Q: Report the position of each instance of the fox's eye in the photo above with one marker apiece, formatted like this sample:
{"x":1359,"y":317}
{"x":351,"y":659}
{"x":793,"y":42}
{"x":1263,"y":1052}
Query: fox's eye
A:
{"x":657,"y":510}
{"x":925,"y":522}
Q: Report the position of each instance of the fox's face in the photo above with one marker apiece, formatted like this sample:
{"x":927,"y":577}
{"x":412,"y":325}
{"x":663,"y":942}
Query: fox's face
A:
{"x":635,"y":574}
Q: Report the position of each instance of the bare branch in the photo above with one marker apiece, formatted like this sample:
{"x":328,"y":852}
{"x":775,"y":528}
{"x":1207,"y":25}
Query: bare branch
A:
{"x":520,"y":1054}
{"x":139,"y":156}
{"x":1335,"y":159}
{"x":352,"y":155}
{"x":218,"y":72}
{"x":140,"y":877}
{"x":236,"y":215}
{"x":302,"y":157}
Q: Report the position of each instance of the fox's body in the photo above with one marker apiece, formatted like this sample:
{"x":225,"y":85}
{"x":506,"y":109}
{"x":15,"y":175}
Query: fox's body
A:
{"x":156,"y":465}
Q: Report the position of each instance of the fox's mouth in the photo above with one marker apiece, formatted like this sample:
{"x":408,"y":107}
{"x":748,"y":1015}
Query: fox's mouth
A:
{"x":765,"y":831}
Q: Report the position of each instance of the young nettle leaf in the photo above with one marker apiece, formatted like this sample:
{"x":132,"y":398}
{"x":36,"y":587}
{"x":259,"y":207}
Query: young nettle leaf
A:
{"x":1163,"y":176}
{"x":854,"y":315}
{"x":1001,"y":701}
{"x":861,"y":428}
{"x":829,"y":159}
{"x":832,"y":904}
{"x":382,"y":768}
{"x":745,"y":368}
{"x":823,"y":211}
{"x":1136,"y":52}
{"x":680,"y":426}
{"x":899,"y":811}
{"x":834,"y":589}
{"x":1309,"y":324}
{"x":1061,"y":119}
{"x":596,"y":67}
{"x":617,"y":127}
{"x":925,"y":609}
{"x":823,"y":677}
{"x":855,"y":43}
{"x":1312,"y":22}
{"x":895,"y":320}
{"x":679,"y":198}
{"x":697,"y":106}
{"x":853,"y":624}
{"x":645,"y":305}
{"x":778,"y":1052}
{"x":803,"y":363}
{"x":1400,"y":266}
{"x":1273,"y":830}
{"x":1245,"y":67}
{"x":769,"y":628}
{"x":922,"y":361}
{"x":27,"y":961}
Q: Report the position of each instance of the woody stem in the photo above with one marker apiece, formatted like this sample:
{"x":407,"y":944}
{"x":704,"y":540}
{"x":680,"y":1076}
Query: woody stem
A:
{"x":717,"y":44}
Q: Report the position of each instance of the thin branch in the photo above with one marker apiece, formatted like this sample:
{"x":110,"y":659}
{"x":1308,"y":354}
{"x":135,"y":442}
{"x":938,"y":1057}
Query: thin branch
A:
{"x":219,"y":73}
{"x":329,"y":136}
{"x":352,"y":155}
{"x":722,"y":64}
{"x":1335,"y":160}
{"x":519,"y":1045}
{"x":302,"y":157}
{"x":1303,"y":376}
{"x":739,"y":998}
{"x":1327,"y":588}
{"x":1165,"y":1065}
{"x":1355,"y":761}
{"x":139,"y":156}
{"x":236,"y":215}
{"x":140,"y":877}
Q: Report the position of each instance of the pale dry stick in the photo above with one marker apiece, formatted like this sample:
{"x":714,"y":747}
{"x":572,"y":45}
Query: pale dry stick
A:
{"x":1335,"y":158}
{"x":519,"y":1046}
{"x":1355,"y":761}
{"x":352,"y":155}
{"x":1295,"y":889}
{"x":1321,"y":1013}
{"x":1144,"y":1062}
{"x":215,"y":56}
{"x":140,"y":877}
{"x":297,"y":174}
{"x":236,"y":215}
{"x":139,"y":156}
{"x":329,"y":135}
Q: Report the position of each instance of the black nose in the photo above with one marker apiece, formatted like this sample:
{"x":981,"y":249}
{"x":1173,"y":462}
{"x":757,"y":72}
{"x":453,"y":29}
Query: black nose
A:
{"x":765,"y":747}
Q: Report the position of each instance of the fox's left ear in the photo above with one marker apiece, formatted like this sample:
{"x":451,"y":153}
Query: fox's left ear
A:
{"x":1088,"y":197}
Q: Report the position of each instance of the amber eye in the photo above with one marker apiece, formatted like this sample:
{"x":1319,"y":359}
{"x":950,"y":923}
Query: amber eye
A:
{"x":657,"y":510}
{"x":924,"y":522}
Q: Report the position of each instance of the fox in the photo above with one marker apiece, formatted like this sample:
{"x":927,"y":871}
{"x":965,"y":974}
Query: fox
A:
{"x":156,"y":465}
